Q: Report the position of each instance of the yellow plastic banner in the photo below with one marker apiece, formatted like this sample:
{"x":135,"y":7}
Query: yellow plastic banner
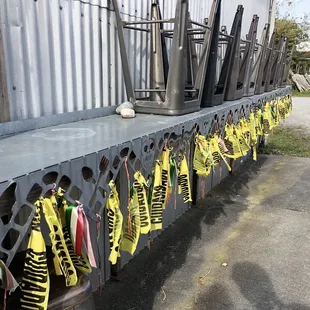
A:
{"x":232,"y":142}
{"x":219,"y":148}
{"x":276,"y":113}
{"x":289,"y":105}
{"x":253,"y":134}
{"x":222,"y":146}
{"x":266,"y":119}
{"x":81,"y":263}
{"x":259,"y":122}
{"x":281,"y":108}
{"x":115,"y":222}
{"x":140,"y":187}
{"x":157,"y":202}
{"x":183,"y":181}
{"x":131,"y":234}
{"x":35,"y":284}
{"x":62,"y":260}
{"x":202,"y":161}
{"x":165,"y":174}
{"x":272,"y":117}
{"x":244,"y":147}
{"x":214,"y":149}
{"x":245,"y":131}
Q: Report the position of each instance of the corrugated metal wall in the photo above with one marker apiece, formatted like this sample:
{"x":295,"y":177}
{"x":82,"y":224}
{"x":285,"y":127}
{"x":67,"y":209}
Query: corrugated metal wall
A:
{"x":251,"y":7}
{"x":63,"y":55}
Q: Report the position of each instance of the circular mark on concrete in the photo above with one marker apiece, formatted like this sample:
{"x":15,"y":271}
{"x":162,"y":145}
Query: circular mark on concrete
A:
{"x":65,"y":134}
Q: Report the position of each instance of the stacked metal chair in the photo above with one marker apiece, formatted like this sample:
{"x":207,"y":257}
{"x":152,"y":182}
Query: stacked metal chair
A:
{"x":227,"y":67}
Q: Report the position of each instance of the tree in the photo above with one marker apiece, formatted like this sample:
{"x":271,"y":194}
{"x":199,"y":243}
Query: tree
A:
{"x":294,"y":32}
{"x":295,"y":29}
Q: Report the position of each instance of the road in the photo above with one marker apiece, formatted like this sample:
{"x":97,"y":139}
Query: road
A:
{"x":300,"y":115}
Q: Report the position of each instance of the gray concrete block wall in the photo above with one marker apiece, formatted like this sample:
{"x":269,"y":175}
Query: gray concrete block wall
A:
{"x":92,"y":188}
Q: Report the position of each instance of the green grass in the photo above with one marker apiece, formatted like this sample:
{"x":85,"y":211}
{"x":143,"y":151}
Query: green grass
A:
{"x":296,"y":93}
{"x":288,"y":141}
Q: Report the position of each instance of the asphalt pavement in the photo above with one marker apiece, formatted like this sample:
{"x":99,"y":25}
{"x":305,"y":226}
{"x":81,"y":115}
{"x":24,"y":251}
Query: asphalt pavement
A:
{"x":300,"y":116}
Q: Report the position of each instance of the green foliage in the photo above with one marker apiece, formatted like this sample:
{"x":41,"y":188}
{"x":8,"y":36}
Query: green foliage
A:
{"x":297,"y":93}
{"x":300,"y":63}
{"x":294,"y":32}
{"x":295,"y":29}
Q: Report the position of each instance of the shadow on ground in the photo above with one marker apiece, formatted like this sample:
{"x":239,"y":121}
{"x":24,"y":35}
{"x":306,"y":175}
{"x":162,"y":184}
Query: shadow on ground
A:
{"x":217,"y":297}
{"x":256,"y":286}
{"x":141,"y":281}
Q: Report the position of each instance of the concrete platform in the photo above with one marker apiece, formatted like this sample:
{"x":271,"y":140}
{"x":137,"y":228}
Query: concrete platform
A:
{"x":257,"y":222}
{"x":34,"y":150}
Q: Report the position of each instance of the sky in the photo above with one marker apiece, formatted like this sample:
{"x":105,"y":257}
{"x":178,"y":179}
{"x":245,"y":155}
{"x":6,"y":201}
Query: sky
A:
{"x":298,"y":8}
